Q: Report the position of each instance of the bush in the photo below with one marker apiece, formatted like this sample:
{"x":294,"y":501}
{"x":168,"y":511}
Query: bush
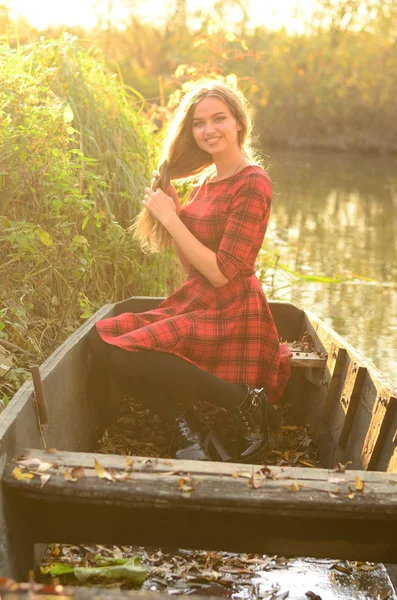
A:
{"x":75,"y":155}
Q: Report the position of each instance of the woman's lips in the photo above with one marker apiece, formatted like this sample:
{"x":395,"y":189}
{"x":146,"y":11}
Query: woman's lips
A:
{"x":212,"y":141}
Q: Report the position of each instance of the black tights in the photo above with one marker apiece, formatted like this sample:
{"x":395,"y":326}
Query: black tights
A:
{"x":163,"y":382}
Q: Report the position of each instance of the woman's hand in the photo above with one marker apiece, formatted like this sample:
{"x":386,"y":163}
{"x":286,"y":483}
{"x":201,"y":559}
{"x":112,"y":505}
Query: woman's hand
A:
{"x":171,"y":191}
{"x":159,"y":204}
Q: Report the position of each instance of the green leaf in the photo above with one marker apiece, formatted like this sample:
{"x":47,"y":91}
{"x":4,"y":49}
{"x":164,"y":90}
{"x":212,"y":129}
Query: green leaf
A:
{"x":68,"y":115}
{"x":44,"y":237}
{"x":129,"y":571}
{"x":109,"y":561}
{"x":56,"y":569}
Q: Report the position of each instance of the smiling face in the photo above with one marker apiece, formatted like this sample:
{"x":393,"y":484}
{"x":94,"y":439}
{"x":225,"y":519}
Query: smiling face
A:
{"x":214,"y":128}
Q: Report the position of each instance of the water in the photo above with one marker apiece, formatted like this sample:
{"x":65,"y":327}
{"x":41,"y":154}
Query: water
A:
{"x":335,"y":215}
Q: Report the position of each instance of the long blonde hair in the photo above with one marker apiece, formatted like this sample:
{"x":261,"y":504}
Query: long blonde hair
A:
{"x":183,"y":159}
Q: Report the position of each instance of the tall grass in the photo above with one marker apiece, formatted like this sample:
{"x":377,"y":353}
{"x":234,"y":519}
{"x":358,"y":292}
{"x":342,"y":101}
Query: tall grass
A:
{"x":75,"y":154}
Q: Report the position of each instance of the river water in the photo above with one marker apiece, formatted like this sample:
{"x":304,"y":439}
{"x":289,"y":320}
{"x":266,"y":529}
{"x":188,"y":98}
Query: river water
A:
{"x":334,"y":215}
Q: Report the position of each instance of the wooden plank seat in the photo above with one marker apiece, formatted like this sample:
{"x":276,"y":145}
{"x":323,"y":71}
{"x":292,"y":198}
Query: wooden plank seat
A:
{"x":191,"y":504}
{"x":306,"y":358}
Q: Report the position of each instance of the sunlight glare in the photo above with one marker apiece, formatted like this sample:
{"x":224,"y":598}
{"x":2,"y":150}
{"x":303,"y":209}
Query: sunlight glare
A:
{"x":271,"y":14}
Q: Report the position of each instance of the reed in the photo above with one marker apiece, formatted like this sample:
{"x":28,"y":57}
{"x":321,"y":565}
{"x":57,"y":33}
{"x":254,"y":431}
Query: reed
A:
{"x":76,"y":152}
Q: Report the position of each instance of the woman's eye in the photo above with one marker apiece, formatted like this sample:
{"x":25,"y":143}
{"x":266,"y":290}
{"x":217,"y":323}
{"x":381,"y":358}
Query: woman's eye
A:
{"x":220,"y":119}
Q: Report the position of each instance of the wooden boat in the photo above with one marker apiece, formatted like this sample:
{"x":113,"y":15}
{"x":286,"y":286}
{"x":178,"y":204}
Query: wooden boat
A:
{"x":349,"y":404}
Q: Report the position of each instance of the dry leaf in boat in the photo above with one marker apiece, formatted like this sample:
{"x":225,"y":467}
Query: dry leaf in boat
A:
{"x":121,"y":476}
{"x":359,"y":484}
{"x":341,"y":468}
{"x":351,"y":493}
{"x":289,"y":428}
{"x":78,"y":473}
{"x":306,"y":464}
{"x":101,"y":472}
{"x":35,"y":465}
{"x":50,"y":450}
{"x":44,"y":478}
{"x":295,"y":487}
{"x":363,"y":566}
{"x":235,"y":475}
{"x":337,"y":480}
{"x":68,"y":476}
{"x":129,"y":464}
{"x":335,"y":493}
{"x":186,"y":484}
{"x":338,"y":567}
{"x":313,"y":596}
{"x":19,"y":476}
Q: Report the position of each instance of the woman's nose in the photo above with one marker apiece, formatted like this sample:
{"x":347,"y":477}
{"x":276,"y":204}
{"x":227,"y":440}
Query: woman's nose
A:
{"x":208,"y":127}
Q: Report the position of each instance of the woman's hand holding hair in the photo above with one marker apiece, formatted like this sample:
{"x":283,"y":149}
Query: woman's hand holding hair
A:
{"x":161,"y":206}
{"x":171,"y":191}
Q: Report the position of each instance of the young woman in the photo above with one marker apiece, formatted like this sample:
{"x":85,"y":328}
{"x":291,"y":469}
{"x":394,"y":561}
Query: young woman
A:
{"x":214,"y":338}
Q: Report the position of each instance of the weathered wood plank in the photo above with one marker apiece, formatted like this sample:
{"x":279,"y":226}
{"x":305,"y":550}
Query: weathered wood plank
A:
{"x":335,"y":364}
{"x":279,"y":511}
{"x":302,"y":359}
{"x":356,"y":448}
{"x":165,"y":466}
{"x":232,"y":481}
{"x":382,"y":415}
{"x":350,"y":397}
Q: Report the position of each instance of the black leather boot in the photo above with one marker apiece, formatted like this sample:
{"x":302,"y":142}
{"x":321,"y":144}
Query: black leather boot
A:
{"x":255,"y":418}
{"x":189,"y":440}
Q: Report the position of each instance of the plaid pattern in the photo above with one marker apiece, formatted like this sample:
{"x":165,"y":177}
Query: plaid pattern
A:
{"x":227,"y":331}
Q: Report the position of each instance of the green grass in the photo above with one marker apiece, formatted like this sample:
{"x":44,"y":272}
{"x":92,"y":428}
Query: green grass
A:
{"x":76,"y":152}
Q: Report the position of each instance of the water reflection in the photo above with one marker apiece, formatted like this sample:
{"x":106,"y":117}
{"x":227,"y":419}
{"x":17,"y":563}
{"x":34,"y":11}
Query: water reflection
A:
{"x":336,"y":215}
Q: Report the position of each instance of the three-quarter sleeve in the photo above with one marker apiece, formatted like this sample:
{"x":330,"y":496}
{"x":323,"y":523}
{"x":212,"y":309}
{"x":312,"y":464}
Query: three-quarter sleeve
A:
{"x":246,"y":225}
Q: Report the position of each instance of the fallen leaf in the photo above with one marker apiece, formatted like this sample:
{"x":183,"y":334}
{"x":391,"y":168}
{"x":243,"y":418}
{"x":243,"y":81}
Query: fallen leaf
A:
{"x":335,"y":493}
{"x":351,"y":495}
{"x":295,"y":487}
{"x":35,"y":464}
{"x":235,"y":475}
{"x":56,"y":568}
{"x":19,"y":476}
{"x":183,"y":484}
{"x":313,"y":596}
{"x":359,"y":484}
{"x":366,"y":566}
{"x":129,"y":571}
{"x":290,"y":428}
{"x":121,"y":476}
{"x":50,"y":450}
{"x":341,"y":568}
{"x":29,"y":463}
{"x":78,"y":473}
{"x":129,"y":464}
{"x":68,"y":476}
{"x":341,"y":468}
{"x":306,"y":464}
{"x":44,"y":466}
{"x":44,"y":478}
{"x":337,"y":480}
{"x":101,"y":472}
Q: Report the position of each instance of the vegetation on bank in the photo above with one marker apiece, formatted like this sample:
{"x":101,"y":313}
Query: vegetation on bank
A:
{"x":76,"y":152}
{"x":333,"y":85}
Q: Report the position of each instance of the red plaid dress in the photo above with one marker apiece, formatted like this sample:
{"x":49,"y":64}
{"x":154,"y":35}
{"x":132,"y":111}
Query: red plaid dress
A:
{"x":227,"y":331}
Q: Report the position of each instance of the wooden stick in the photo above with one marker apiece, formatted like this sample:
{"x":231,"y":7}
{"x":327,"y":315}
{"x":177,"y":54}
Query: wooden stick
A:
{"x":38,"y":389}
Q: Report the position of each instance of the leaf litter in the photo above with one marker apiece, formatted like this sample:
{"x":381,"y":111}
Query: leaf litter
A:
{"x":138,"y":432}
